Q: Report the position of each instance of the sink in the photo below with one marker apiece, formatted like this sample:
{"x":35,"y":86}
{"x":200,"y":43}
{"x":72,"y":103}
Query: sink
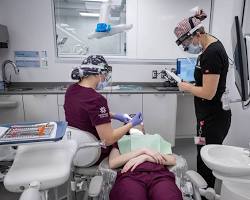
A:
{"x":123,"y":87}
{"x":19,"y":89}
{"x":227,"y":161}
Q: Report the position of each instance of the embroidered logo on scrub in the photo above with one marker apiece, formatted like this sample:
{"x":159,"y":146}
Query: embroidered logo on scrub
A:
{"x":103,"y":112}
{"x":102,"y":109}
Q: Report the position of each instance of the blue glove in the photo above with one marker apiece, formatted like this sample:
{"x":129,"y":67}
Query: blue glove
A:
{"x":137,"y":119}
{"x":122,"y":117}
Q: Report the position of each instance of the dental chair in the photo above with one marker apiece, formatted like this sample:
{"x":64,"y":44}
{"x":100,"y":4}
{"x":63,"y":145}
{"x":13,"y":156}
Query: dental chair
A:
{"x":40,"y":167}
{"x":37,"y":168}
{"x":97,"y":180}
{"x":85,"y":173}
{"x":7,"y":155}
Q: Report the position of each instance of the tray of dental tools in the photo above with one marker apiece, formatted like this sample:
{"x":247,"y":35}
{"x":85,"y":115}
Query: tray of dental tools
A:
{"x":25,"y":133}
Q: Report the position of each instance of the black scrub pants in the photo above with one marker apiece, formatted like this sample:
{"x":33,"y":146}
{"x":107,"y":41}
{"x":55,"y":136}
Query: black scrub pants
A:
{"x":214,"y":130}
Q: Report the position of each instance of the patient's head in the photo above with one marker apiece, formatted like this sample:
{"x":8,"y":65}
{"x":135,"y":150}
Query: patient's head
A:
{"x":135,"y":131}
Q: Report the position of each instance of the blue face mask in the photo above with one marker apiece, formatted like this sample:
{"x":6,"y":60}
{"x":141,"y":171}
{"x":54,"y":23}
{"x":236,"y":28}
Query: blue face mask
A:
{"x":194,"y":49}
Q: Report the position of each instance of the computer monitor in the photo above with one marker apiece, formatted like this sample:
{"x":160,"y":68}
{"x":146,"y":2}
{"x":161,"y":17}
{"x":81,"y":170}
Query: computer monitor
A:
{"x":185,"y":68}
{"x":240,"y":60}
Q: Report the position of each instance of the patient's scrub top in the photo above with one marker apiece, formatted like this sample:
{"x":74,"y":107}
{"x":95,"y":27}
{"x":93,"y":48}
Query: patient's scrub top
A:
{"x":84,"y":109}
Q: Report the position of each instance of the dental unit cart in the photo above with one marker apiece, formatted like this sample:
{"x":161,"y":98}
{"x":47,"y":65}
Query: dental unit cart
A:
{"x":43,"y":160}
{"x":31,"y":132}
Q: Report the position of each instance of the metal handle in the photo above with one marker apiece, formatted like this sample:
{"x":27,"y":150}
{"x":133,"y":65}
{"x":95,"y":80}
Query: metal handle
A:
{"x":37,"y":95}
{"x":8,"y":104}
{"x":160,"y":95}
{"x":124,"y":95}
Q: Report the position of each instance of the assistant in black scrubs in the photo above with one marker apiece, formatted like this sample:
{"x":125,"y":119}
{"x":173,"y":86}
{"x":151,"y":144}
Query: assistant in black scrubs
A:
{"x":210,"y":75}
{"x":216,"y":121}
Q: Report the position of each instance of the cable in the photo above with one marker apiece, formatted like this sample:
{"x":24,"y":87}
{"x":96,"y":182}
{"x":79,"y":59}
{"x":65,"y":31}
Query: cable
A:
{"x":232,"y":61}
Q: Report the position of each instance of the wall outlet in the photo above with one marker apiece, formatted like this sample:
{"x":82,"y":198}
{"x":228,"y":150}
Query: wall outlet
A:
{"x":154,"y":74}
{"x":163,"y":74}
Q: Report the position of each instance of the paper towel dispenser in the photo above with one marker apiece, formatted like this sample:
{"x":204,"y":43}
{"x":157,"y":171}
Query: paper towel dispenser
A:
{"x":4,"y":36}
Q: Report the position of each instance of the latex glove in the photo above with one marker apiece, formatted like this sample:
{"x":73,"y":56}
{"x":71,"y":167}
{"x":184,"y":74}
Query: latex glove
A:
{"x":137,"y":119}
{"x":125,"y":118}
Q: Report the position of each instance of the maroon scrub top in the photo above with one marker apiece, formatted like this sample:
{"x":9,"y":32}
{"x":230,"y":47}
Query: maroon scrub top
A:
{"x":84,"y":109}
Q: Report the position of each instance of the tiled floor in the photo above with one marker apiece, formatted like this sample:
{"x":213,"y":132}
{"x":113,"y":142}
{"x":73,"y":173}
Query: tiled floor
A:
{"x":184,"y":147}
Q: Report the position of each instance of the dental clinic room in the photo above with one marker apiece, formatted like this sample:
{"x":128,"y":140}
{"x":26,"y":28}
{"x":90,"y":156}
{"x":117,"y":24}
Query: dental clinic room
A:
{"x":125,"y":100}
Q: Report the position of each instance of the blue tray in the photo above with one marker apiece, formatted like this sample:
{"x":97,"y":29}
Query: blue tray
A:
{"x":60,"y":131}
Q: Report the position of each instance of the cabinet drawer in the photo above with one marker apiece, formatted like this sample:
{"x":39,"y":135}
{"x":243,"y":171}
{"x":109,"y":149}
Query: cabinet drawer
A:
{"x":40,"y":107}
{"x":14,"y":113}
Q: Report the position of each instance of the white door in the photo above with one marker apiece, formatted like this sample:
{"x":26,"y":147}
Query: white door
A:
{"x":40,"y":107}
{"x":14,"y":113}
{"x":124,"y":103}
{"x":159,"y":113}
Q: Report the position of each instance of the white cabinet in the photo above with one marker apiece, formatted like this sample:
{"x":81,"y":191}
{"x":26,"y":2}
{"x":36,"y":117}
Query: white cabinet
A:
{"x":40,"y":107}
{"x":186,"y":119}
{"x":159,"y":113}
{"x":61,"y":113}
{"x":11,"y":114}
{"x":124,"y":103}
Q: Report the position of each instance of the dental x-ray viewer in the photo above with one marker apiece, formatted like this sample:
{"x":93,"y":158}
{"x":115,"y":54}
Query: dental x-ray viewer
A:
{"x":210,"y":75}
{"x":87,"y":109}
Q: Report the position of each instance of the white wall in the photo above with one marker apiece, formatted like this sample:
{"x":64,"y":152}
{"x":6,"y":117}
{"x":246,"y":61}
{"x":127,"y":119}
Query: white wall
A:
{"x":30,"y":27}
{"x":225,"y":11}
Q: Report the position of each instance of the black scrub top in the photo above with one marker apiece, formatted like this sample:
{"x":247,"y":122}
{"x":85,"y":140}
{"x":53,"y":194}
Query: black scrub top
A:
{"x":213,"y":60}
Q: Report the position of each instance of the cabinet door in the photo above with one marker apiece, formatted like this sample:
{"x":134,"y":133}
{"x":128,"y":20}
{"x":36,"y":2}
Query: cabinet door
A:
{"x":159,"y":113}
{"x":124,"y":103}
{"x":40,"y":107}
{"x":12,"y":114}
{"x":60,"y":102}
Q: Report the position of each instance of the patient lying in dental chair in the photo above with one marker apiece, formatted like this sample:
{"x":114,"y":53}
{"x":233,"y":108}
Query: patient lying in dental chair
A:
{"x":144,"y":174}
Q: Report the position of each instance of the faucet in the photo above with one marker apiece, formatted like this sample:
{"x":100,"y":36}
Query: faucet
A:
{"x":5,"y":63}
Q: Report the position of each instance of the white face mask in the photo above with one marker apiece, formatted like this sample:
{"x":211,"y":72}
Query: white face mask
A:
{"x":194,"y":49}
{"x":101,"y":84}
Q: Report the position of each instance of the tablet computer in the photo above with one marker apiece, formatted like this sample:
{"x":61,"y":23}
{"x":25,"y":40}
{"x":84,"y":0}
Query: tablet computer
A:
{"x":185,"y":68}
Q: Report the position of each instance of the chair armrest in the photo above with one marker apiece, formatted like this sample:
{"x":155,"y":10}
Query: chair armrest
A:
{"x":196,"y":179}
{"x":95,"y":186}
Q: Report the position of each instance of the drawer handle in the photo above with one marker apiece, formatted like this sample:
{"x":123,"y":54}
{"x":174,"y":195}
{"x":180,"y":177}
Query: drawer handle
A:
{"x":160,"y":95}
{"x":8,"y":104}
{"x":39,"y":95}
{"x":124,"y":95}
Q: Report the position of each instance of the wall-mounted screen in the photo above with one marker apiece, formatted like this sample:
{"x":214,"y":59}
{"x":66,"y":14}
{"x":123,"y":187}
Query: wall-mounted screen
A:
{"x":240,"y":60}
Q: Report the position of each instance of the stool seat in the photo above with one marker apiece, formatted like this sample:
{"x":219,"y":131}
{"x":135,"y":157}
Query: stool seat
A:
{"x":47,"y":163}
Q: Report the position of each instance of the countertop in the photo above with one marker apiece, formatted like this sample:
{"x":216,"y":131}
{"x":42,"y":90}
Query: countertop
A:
{"x":60,"y":88}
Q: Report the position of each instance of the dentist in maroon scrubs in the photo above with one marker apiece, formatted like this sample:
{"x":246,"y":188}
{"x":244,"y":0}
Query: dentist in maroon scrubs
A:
{"x":87,"y":109}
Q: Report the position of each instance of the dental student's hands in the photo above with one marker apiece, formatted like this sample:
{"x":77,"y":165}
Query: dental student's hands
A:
{"x":134,"y":162}
{"x":137,"y":119}
{"x":125,"y":118}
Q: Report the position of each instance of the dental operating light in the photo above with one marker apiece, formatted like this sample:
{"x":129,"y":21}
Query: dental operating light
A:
{"x":103,"y":28}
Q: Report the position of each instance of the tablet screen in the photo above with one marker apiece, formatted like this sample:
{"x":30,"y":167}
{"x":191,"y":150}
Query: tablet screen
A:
{"x":185,"y":68}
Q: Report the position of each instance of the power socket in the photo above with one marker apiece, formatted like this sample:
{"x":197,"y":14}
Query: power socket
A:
{"x":154,"y":74}
{"x":163,"y":74}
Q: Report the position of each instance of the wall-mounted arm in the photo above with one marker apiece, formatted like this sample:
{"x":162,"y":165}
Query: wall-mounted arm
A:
{"x":103,"y":28}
